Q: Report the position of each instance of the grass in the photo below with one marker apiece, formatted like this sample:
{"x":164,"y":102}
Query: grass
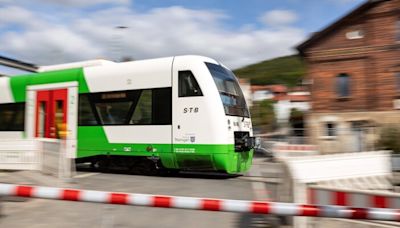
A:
{"x":287,"y":70}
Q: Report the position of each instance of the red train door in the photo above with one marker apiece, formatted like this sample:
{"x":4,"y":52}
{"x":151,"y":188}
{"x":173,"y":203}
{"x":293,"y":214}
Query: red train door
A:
{"x":51,"y":113}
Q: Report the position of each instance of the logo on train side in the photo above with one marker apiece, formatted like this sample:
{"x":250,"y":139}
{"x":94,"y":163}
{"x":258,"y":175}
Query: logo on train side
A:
{"x":186,"y":138}
{"x":246,"y":124}
{"x":191,"y":110}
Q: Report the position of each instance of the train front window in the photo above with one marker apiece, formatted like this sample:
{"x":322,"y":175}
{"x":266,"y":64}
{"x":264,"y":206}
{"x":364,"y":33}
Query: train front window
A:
{"x":229,"y":90}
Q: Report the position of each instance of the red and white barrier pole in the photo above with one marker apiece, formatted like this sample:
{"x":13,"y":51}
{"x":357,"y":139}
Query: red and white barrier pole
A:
{"x":359,"y":198}
{"x":284,"y":209}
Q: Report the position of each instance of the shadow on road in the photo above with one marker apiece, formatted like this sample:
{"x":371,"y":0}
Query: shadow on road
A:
{"x":181,"y":174}
{"x":248,"y":220}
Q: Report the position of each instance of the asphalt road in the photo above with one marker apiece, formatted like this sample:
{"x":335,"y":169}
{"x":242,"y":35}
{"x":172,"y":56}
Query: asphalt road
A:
{"x":46,"y":213}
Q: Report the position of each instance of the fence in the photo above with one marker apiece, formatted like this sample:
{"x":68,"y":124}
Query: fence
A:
{"x":283,"y":150}
{"x":19,"y":155}
{"x":396,"y":162}
{"x":345,"y":139}
{"x":50,"y":149}
{"x":46,"y":155}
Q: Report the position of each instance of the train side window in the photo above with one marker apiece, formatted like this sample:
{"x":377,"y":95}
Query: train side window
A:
{"x":143,"y":109}
{"x":113,"y":112}
{"x":12,"y":117}
{"x":188,"y":86}
{"x":162,"y":106}
{"x":86,"y":116}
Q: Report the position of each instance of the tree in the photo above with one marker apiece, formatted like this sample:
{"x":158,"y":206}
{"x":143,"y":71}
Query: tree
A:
{"x":263,"y":115}
{"x":389,"y":139}
{"x":126,"y":59}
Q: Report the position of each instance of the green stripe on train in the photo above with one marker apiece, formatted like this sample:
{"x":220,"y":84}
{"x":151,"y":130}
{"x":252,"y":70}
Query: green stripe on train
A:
{"x":92,"y":141}
{"x":19,"y":84}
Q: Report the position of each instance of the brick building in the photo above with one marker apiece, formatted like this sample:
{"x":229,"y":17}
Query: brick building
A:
{"x":353,"y":70}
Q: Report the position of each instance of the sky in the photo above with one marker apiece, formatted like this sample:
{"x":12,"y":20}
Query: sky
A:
{"x":234,"y":32}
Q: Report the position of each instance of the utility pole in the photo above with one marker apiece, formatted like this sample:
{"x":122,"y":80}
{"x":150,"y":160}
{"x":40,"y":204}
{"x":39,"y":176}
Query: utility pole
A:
{"x":117,"y":46}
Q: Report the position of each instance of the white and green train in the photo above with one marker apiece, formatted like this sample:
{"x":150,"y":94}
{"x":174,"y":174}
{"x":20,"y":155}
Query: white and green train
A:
{"x":177,"y":113}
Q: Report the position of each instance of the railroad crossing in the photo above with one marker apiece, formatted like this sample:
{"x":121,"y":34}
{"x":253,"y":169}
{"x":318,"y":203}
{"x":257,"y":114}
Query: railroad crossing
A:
{"x":200,"y":191}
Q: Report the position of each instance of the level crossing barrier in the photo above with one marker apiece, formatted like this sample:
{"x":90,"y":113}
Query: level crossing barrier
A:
{"x":356,"y":171}
{"x":356,"y":198}
{"x":284,"y":150}
{"x":258,"y":207}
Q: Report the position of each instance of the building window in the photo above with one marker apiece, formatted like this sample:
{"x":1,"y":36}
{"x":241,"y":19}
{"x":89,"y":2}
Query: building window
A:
{"x":397,"y":75}
{"x":343,"y":85}
{"x":357,"y":34}
{"x":398,"y":30}
{"x":330,"y":129}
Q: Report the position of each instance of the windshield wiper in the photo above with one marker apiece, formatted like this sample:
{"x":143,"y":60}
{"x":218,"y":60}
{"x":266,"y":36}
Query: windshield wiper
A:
{"x":229,"y":94}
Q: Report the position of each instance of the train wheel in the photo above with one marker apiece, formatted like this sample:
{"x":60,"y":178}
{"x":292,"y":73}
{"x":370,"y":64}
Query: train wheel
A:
{"x":103,"y":164}
{"x":143,"y":166}
{"x":173,"y":171}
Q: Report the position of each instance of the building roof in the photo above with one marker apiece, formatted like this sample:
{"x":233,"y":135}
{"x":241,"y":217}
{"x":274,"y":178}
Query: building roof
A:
{"x":293,"y":98}
{"x":299,"y":89}
{"x":272,"y":88}
{"x":17,"y":64}
{"x":332,"y":27}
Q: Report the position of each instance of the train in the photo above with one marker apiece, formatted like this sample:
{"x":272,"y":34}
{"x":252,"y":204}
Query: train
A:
{"x":173,"y":113}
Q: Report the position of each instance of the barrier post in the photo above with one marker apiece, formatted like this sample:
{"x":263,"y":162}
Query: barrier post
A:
{"x":1,"y":206}
{"x":67,"y":164}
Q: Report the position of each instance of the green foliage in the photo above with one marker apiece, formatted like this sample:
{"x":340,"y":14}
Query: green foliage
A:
{"x":263,"y":115}
{"x":389,"y":139}
{"x":287,"y":70}
{"x":126,"y":59}
{"x":296,"y":115}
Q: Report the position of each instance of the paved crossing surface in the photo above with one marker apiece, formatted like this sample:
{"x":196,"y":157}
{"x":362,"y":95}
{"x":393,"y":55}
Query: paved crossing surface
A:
{"x":46,"y":213}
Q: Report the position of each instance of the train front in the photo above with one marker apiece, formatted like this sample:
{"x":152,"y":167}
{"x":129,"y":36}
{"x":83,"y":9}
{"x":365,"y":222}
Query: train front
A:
{"x":237,"y":121}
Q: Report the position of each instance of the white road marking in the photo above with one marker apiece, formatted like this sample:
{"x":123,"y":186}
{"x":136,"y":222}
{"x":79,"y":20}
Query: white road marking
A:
{"x":86,"y":175}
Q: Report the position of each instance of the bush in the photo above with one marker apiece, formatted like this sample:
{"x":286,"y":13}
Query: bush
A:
{"x":263,"y":115}
{"x":390,"y":139}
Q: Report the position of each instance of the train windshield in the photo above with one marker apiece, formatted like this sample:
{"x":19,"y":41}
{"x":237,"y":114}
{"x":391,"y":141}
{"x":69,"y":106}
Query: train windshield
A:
{"x":229,"y":90}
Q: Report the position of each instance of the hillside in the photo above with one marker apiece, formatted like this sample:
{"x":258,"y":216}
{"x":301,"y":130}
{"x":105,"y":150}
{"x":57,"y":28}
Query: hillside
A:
{"x":286,"y":70}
